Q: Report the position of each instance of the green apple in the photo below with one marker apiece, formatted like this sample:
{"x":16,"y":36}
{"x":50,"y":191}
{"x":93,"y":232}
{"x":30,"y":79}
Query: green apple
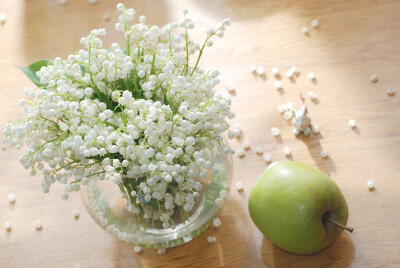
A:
{"x":298,"y":208}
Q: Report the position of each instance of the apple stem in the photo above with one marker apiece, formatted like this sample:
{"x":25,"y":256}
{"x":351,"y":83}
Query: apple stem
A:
{"x":349,"y":229}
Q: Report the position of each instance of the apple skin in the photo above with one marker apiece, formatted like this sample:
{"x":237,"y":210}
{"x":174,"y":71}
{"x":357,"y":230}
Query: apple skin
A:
{"x":287,"y":204}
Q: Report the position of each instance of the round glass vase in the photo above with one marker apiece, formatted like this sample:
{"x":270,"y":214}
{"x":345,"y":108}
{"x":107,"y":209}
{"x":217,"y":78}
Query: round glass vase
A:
{"x":108,"y":207}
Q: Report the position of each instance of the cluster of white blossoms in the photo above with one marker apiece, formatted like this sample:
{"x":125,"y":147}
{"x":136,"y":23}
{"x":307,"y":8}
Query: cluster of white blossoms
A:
{"x":136,"y":113}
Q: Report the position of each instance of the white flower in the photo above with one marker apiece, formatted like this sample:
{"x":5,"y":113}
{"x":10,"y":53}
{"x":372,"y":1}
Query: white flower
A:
{"x":138,"y":113}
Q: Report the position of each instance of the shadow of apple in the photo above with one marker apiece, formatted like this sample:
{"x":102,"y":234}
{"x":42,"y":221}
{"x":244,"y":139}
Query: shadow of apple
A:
{"x":339,"y":254}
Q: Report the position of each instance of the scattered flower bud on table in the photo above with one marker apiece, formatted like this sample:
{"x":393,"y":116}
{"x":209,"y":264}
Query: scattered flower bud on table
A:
{"x":239,"y":186}
{"x":324,"y":153}
{"x":373,"y":78}
{"x":267,"y":157}
{"x":278,"y":85}
{"x":287,"y":151}
{"x":75,"y":213}
{"x":275,"y":71}
{"x":390,"y":91}
{"x":315,"y":23}
{"x":7,"y":225}
{"x":161,"y":251}
{"x":11,"y":198}
{"x":275,"y":132}
{"x":370,"y":185}
{"x":352,"y":123}
{"x":231,"y":88}
{"x":217,"y":222}
{"x":246,"y":145}
{"x":240,"y":152}
{"x":311,"y":76}
{"x":260,"y":70}
{"x":211,"y":239}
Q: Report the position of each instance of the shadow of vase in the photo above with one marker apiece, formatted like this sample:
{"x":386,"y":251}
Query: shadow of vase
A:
{"x":231,"y":249}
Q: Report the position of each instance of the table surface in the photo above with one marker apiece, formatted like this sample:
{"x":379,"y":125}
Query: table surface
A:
{"x":355,"y":40}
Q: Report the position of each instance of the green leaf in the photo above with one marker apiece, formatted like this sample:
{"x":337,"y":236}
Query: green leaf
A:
{"x":83,"y":70}
{"x":30,"y":71}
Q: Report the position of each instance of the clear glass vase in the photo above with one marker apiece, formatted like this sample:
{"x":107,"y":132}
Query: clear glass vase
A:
{"x":109,"y":208}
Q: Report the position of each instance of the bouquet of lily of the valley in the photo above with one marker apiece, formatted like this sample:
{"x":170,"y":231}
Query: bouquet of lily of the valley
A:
{"x":138,"y":113}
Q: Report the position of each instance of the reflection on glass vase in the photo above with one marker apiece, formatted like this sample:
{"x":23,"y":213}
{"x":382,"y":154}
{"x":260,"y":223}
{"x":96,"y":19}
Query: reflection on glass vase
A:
{"x":118,"y":213}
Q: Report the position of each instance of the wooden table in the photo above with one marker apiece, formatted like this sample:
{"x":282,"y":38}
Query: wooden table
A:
{"x":355,"y":40}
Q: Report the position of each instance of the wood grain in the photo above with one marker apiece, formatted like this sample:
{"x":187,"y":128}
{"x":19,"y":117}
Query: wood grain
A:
{"x":355,"y":40}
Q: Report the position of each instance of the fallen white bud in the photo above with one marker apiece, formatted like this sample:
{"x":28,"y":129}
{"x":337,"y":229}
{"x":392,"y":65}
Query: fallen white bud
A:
{"x":3,"y":17}
{"x":311,"y":76}
{"x":275,"y":71}
{"x":237,"y":132}
{"x":374,"y":78}
{"x":239,"y":186}
{"x":289,"y":73}
{"x":370,"y":185}
{"x":92,"y":1}
{"x":161,"y":251}
{"x":259,"y":150}
{"x":352,"y":123}
{"x":246,"y":145}
{"x":287,"y":115}
{"x":38,"y":225}
{"x":63,"y":2}
{"x":285,"y":107}
{"x":314,"y":129}
{"x":240,"y":152}
{"x":390,"y":91}
{"x":278,"y":85}
{"x":287,"y":151}
{"x":304,"y":30}
{"x":137,"y":249}
{"x":315,"y":23}
{"x":312,"y":95}
{"x":106,"y":17}
{"x":7,"y":225}
{"x":75,"y":213}
{"x":324,"y":153}
{"x":211,"y":239}
{"x":267,"y":157}
{"x":11,"y":198}
{"x":260,"y":70}
{"x":216,"y":222}
{"x":253,"y":68}
{"x":295,"y":70}
{"x":230,"y":87}
{"x":275,"y":131}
